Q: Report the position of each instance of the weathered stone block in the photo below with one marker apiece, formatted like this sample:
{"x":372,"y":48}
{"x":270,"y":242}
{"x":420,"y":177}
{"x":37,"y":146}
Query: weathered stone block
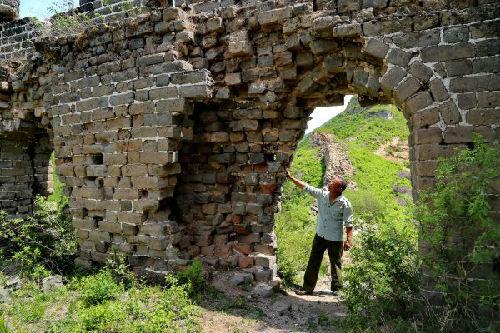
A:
{"x":420,"y":71}
{"x":392,"y":78}
{"x":458,"y":134}
{"x":418,"y":102}
{"x":347,"y":30}
{"x":449,"y":113}
{"x":438,"y":90}
{"x":406,"y":89}
{"x":377,"y":48}
{"x":274,"y":16}
{"x":447,"y":52}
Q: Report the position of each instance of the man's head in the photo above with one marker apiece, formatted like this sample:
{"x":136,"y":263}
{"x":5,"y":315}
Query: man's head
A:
{"x":336,"y":186}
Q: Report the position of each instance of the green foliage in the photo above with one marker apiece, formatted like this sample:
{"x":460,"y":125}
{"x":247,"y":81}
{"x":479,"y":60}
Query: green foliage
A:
{"x":191,"y":279}
{"x":3,"y":326}
{"x":358,"y":125}
{"x":462,"y":237}
{"x":119,"y":269}
{"x":66,"y":20}
{"x":375,"y":177}
{"x":97,"y":303}
{"x":458,"y":238}
{"x":57,"y":195}
{"x":41,"y":242}
{"x":99,"y":288}
{"x":382,"y":281}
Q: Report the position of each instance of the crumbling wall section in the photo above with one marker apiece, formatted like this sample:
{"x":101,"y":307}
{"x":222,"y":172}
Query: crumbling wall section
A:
{"x":172,"y":130}
{"x":16,"y":38}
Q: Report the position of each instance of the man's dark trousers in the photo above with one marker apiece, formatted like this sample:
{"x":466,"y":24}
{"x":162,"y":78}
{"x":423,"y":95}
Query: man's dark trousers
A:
{"x":335,"y":250}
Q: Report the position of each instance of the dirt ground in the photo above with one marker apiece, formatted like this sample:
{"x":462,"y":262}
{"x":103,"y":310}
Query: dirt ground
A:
{"x":233,"y":309}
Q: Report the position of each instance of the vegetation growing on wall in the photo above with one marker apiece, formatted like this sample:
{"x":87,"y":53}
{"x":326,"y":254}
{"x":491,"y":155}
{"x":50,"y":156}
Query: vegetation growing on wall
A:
{"x":462,"y":240}
{"x":455,"y":225}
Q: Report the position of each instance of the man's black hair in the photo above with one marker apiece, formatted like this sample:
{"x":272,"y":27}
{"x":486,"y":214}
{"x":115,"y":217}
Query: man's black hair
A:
{"x":343,"y":184}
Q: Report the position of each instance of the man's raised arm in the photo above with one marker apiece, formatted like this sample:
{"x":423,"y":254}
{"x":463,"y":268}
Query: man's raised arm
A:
{"x":296,"y":181}
{"x":315,"y":192}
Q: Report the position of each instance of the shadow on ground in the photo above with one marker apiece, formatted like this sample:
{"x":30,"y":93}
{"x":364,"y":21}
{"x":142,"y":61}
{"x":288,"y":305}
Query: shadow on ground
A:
{"x":228,"y":308}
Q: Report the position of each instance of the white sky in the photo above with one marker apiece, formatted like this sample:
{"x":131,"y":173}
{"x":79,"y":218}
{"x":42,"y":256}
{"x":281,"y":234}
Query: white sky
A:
{"x":323,"y":114}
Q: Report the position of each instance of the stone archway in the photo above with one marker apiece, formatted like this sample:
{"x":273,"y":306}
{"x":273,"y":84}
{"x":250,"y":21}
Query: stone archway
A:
{"x":172,"y":130}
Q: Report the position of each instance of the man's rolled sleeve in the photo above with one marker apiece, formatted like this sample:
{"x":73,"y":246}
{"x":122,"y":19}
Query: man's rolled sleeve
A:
{"x":348,"y":216}
{"x":315,"y":192}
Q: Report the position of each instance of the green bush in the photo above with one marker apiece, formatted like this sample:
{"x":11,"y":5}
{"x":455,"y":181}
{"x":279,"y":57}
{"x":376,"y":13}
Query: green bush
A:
{"x":120,"y":270}
{"x":96,"y":303}
{"x":98,"y":288}
{"x":458,"y":237}
{"x":41,"y":242}
{"x":381,"y":284}
{"x":190,"y":279}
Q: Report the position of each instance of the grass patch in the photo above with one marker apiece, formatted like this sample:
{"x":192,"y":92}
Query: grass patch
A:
{"x":98,"y":303}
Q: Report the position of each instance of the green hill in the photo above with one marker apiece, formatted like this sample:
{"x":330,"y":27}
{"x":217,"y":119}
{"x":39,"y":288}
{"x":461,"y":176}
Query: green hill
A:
{"x":382,"y":186}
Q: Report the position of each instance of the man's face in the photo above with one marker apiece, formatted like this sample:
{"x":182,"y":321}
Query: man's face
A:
{"x":335,"y":186}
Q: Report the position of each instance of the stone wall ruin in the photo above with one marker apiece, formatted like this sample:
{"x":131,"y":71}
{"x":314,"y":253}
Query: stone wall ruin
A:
{"x":172,"y":129}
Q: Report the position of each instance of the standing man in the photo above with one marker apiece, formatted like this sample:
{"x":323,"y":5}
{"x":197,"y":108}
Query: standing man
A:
{"x":335,"y":213}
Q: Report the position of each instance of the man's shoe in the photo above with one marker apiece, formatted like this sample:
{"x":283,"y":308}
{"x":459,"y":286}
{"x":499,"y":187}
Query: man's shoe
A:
{"x":303,"y":292}
{"x":335,"y":292}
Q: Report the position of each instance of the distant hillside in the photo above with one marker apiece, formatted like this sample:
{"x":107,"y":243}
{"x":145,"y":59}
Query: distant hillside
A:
{"x":375,"y":140}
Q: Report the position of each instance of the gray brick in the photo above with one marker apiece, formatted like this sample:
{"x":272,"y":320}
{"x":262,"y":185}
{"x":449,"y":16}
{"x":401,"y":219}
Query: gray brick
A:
{"x":447,"y":52}
{"x":420,"y":71}
{"x":392,"y":78}
{"x":455,"y":34}
{"x":399,"y":57}
{"x":475,"y":83}
{"x":449,"y":113}
{"x":376,"y":48}
{"x":438,"y":90}
{"x":466,"y":101}
{"x":458,"y":67}
{"x":418,"y":39}
{"x":406,"y":89}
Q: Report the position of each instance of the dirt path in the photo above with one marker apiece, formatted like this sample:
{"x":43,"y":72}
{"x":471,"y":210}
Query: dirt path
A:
{"x":233,"y":310}
{"x":334,"y":155}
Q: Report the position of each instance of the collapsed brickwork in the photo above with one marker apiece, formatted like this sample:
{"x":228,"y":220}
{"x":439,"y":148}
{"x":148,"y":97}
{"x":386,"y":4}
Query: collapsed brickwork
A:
{"x":172,"y":130}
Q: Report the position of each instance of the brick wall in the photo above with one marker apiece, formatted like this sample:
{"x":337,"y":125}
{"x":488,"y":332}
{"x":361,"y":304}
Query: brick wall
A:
{"x":172,"y":130}
{"x":16,"y":38}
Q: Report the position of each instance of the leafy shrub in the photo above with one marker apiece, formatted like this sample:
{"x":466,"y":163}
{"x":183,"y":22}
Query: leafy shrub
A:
{"x":106,"y":317}
{"x":462,"y":241}
{"x":382,"y":281}
{"x":458,"y":237}
{"x":99,"y":288}
{"x":41,"y":242}
{"x":98,"y":304}
{"x":118,"y":267}
{"x":3,"y":326}
{"x":191,"y":278}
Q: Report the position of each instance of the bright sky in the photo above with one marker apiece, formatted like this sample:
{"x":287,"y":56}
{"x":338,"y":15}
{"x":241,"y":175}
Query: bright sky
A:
{"x":323,"y":114}
{"x":38,"y":8}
